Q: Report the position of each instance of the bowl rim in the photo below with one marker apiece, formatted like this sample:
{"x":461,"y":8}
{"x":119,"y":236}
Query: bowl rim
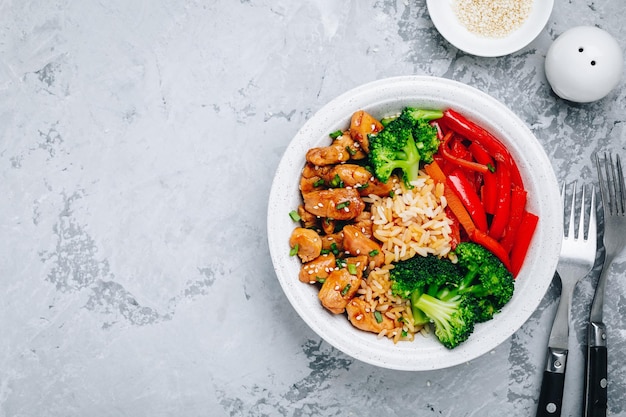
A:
{"x":391,"y":94}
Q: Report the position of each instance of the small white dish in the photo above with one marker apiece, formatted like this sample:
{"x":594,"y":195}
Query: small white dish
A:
{"x":381,"y":98}
{"x":443,"y":15}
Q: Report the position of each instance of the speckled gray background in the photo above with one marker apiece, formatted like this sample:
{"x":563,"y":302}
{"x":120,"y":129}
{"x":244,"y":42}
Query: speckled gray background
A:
{"x":138,"y":140}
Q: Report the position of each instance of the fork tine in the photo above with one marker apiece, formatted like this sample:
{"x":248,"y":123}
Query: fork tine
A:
{"x":610,"y":179}
{"x":620,"y":186}
{"x":581,"y":222}
{"x":603,"y":189}
{"x":592,"y":230}
{"x":572,"y":215}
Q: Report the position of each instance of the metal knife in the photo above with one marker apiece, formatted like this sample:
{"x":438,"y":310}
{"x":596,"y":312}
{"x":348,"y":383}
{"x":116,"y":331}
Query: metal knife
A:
{"x":553,"y":382}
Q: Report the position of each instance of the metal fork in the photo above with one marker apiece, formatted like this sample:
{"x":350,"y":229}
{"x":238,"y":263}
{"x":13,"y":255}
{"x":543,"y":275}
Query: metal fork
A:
{"x":578,"y":253}
{"x":611,"y":180}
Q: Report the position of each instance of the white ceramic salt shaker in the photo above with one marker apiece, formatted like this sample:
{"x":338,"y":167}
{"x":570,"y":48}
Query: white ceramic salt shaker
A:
{"x":584,"y":64}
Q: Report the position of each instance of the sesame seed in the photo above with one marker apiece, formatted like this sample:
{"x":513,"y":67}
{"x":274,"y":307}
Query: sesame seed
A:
{"x":359,"y":317}
{"x":337,"y":287}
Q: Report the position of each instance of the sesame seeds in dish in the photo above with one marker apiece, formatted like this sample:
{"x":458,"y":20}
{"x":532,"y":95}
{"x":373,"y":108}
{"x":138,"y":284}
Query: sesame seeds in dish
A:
{"x":492,"y":18}
{"x":490,"y":28}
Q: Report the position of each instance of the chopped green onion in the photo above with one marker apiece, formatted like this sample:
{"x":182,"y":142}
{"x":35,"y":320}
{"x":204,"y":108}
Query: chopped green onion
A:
{"x":362,"y":186}
{"x":392,"y":194}
{"x":318,"y":182}
{"x":324,"y":251}
{"x":352,"y":269}
{"x":334,"y":248}
{"x":320,"y":279}
{"x":346,"y":289}
{"x":351,"y":151}
{"x":340,"y":263}
{"x":336,"y":182}
{"x":378,"y":316}
{"x":404,"y":333}
{"x":343,"y":205}
{"x":294,"y":250}
{"x":491,"y":168}
{"x":336,"y":134}
{"x":294,"y":216}
{"x":374,"y":252}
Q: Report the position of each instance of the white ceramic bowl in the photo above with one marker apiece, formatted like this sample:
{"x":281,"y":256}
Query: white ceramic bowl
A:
{"x":445,"y":20}
{"x":389,"y":96}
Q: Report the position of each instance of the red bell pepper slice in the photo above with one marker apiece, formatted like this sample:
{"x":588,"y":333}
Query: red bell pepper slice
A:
{"x":460,"y":150}
{"x":475,"y":133}
{"x":464,"y":189}
{"x":493,"y":246}
{"x":444,"y":149}
{"x":489,"y":191}
{"x":518,"y":207}
{"x":525,"y":234}
{"x":503,"y":203}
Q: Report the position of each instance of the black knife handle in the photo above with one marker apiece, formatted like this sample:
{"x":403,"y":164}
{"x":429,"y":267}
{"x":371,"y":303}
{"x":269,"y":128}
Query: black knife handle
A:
{"x":551,"y":393}
{"x":595,"y":399}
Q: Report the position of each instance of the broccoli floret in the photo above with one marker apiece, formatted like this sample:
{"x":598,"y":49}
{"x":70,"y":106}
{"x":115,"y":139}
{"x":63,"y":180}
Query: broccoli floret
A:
{"x":430,"y":283}
{"x":453,"y":317}
{"x":403,"y":143}
{"x":425,"y":274}
{"x":428,"y":143}
{"x":486,"y":279}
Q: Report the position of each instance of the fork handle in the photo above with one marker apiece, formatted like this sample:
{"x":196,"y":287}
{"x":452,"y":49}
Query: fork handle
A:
{"x":551,"y":393}
{"x":595,"y":398}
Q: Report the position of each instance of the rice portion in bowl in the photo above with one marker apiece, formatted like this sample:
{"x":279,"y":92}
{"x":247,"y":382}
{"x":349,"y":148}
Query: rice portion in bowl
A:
{"x":411,"y":222}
